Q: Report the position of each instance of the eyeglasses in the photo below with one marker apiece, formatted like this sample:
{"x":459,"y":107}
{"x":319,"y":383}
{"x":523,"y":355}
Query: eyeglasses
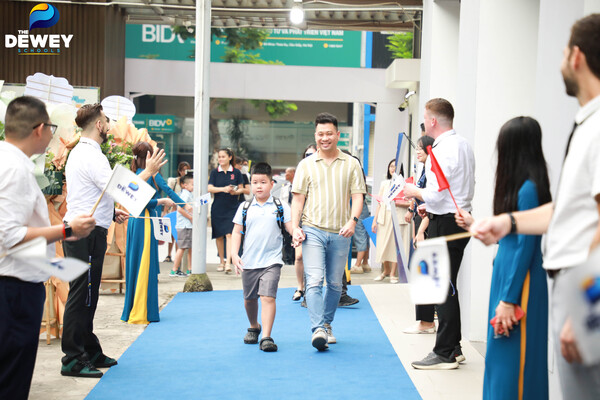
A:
{"x":52,"y":127}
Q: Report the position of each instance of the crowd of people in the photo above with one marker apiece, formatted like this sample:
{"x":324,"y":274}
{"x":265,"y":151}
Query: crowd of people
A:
{"x":251,"y":233}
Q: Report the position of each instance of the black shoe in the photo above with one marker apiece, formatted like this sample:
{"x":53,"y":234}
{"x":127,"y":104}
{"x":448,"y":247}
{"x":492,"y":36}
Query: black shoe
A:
{"x":303,"y":304}
{"x":80,"y":368}
{"x":102,"y":361}
{"x":268,"y":345}
{"x":252,"y":335}
{"x":298,"y":294}
{"x":346,"y":301}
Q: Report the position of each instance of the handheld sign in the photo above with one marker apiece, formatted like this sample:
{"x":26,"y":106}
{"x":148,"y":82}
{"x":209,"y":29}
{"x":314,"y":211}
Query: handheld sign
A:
{"x":430,"y":272}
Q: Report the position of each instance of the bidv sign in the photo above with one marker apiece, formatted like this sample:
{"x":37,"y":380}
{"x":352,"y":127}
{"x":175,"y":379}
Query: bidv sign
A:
{"x":42,"y":15}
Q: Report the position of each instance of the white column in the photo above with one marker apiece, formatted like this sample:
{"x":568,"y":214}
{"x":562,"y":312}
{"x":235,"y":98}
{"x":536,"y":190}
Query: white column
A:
{"x":497,"y":81}
{"x":439,"y":50}
{"x":201,"y":117}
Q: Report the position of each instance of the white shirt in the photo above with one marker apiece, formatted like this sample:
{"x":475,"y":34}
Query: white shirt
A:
{"x":575,"y":216}
{"x":263,"y":241}
{"x":88,"y":172}
{"x":22,"y":205}
{"x":455,"y":156}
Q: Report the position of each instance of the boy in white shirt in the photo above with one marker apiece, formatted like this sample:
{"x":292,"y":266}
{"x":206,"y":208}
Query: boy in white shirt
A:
{"x":184,"y":227}
{"x":260,"y":221}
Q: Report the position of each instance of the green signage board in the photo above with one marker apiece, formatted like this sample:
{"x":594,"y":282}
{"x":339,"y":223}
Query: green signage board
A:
{"x":318,"y":48}
{"x":158,"y":123}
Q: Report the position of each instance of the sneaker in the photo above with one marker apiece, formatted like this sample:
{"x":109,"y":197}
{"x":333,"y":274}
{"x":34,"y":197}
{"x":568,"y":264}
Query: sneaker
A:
{"x":298,"y":294}
{"x":173,"y":274}
{"x":346,"y":301}
{"x":188,"y":272}
{"x":330,"y":338}
{"x":102,"y":361}
{"x":80,"y":368}
{"x":357,"y":269}
{"x":460,"y":358}
{"x":168,"y":259}
{"x":414,"y":329}
{"x":434,"y":361}
{"x":303,"y":304}
{"x":319,"y":339}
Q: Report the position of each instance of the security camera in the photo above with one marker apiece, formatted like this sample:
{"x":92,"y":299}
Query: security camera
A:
{"x":407,"y":95}
{"x":403,"y":106}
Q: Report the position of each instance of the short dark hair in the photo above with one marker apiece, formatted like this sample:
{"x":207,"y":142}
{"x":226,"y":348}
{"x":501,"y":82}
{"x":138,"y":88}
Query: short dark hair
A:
{"x":441,"y":107}
{"x":425,"y":141}
{"x":326,"y":118}
{"x":88,"y":114}
{"x":22,"y":114}
{"x":183,"y":179}
{"x":585,"y":34}
{"x":262,"y":168}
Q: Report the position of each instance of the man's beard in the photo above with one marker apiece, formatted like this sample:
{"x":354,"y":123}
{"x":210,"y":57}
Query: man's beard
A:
{"x":104,"y":136}
{"x":570,"y":85}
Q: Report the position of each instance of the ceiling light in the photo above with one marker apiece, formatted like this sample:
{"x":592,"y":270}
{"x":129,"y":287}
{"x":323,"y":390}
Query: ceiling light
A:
{"x":296,"y":15}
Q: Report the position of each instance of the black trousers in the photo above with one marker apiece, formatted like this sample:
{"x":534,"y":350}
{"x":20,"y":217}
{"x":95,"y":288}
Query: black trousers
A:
{"x":448,"y":334}
{"x":21,"y":309}
{"x":79,"y":340}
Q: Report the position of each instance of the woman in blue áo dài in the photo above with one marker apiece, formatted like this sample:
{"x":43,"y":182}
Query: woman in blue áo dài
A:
{"x":516,"y":362}
{"x":141,"y":256}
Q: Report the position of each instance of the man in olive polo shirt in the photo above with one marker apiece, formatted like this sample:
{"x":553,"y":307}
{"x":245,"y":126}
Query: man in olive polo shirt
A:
{"x":323,"y":187}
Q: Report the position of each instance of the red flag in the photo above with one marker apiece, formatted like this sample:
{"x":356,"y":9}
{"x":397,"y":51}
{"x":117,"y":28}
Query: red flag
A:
{"x":439,"y":174}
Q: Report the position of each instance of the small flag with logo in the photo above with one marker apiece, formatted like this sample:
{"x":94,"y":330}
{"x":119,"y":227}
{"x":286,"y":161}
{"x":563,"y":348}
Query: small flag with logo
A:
{"x":162,"y":229}
{"x":430,"y":272}
{"x":127,"y":188}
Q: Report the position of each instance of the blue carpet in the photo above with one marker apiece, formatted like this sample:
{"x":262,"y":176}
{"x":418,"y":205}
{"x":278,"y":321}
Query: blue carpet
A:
{"x":197,"y":352}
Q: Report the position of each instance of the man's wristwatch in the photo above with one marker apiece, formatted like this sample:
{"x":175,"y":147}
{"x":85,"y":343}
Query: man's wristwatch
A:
{"x":67,"y":230}
{"x":355,"y":219}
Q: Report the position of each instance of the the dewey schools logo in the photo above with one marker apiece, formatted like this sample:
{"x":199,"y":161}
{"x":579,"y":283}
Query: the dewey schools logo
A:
{"x":424,"y":269}
{"x":42,"y":15}
{"x":134,"y":186}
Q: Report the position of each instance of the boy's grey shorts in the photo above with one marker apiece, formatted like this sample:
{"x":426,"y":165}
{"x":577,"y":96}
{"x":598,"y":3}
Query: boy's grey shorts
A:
{"x":261,"y":282}
{"x":184,"y":238}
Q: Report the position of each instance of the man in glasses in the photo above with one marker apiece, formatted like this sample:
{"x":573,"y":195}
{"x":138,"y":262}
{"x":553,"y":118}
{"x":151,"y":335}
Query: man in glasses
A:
{"x":23,"y":217}
{"x":88,"y":172}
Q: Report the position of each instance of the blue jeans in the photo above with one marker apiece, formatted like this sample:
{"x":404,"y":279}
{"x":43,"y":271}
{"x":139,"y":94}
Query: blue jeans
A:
{"x":324,"y":255}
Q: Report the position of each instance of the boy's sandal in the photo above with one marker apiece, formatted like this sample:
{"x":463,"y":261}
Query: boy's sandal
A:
{"x":267,"y":344}
{"x":252,"y":335}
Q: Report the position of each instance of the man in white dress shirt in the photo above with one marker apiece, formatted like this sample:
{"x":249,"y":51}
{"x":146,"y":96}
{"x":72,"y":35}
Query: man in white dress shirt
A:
{"x":572,"y":222}
{"x":457,"y":161}
{"x":24,"y":216}
{"x":88,"y":172}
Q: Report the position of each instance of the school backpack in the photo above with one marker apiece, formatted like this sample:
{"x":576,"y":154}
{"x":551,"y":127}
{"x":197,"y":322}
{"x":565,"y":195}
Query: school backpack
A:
{"x":286,"y":236}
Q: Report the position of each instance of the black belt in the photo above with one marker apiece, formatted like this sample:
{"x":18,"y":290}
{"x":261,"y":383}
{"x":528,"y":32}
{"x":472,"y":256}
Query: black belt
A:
{"x":434,"y":216}
{"x":101,"y":229}
{"x":552,"y":273}
{"x":14,"y":279}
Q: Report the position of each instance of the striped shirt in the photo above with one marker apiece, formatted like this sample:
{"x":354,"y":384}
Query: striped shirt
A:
{"x":328,"y":189}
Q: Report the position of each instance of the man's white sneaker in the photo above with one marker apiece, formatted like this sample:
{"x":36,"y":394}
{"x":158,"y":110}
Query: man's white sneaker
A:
{"x":319,"y":339}
{"x":330,"y":338}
